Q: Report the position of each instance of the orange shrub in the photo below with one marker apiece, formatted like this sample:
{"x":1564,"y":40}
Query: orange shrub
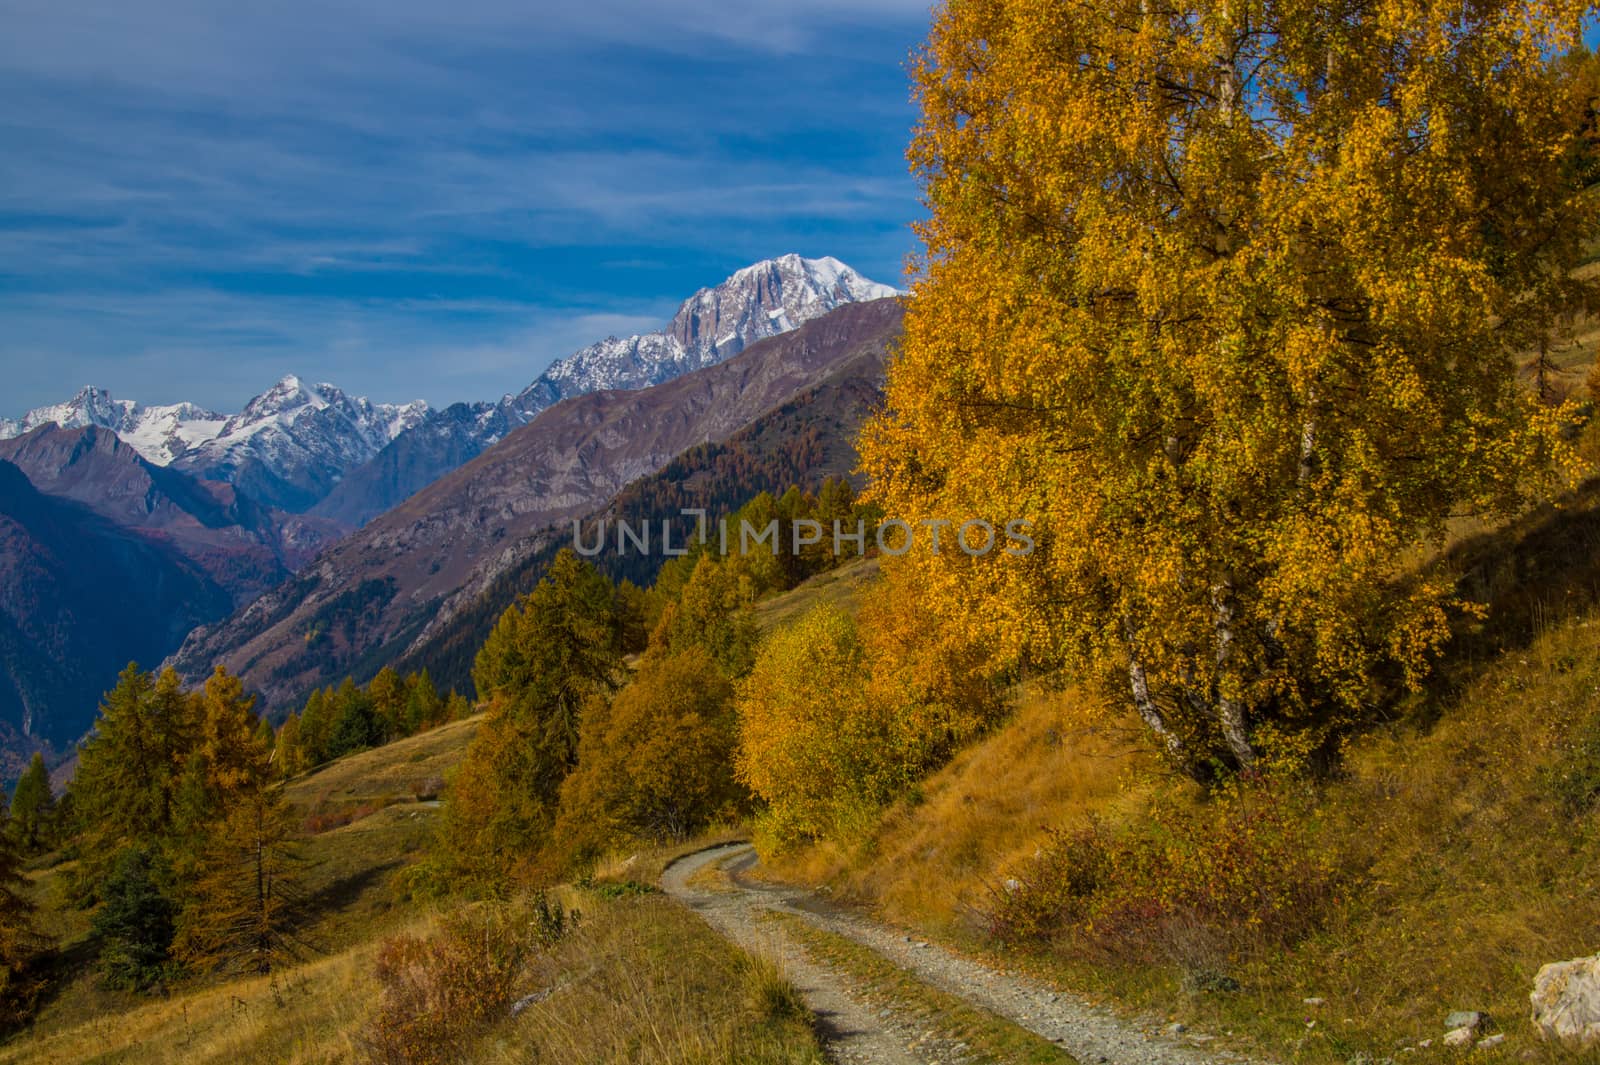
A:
{"x":440,"y":991}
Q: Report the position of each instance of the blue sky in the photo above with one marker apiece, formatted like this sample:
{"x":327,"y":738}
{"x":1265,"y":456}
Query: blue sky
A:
{"x":419,"y":199}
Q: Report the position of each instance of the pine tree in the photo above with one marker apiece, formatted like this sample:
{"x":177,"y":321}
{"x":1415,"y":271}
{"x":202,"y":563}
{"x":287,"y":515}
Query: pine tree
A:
{"x":424,"y":709}
{"x":712,"y":614}
{"x":290,"y":750}
{"x":134,"y":922}
{"x":387,"y":696}
{"x":544,"y":659}
{"x":20,"y":942}
{"x":316,"y":727}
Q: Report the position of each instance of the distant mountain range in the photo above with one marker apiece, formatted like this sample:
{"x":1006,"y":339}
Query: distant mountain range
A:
{"x":287,"y":448}
{"x":401,"y":581}
{"x":191,"y":515}
{"x":311,"y":447}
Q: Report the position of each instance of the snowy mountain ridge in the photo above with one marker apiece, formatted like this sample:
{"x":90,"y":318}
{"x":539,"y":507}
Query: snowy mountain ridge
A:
{"x":762,"y":300}
{"x":294,"y":444}
{"x":159,"y":433}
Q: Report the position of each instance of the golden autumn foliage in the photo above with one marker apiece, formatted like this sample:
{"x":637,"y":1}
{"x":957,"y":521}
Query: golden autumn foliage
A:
{"x":833,"y":725}
{"x":656,"y":762}
{"x":711,"y":614}
{"x":547,"y":656}
{"x":1223,"y":296}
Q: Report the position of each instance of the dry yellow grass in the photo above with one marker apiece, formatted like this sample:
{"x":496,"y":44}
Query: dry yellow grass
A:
{"x":298,"y":1017}
{"x":645,"y":982}
{"x":838,"y":587}
{"x":937,"y":854}
{"x":393,"y":771}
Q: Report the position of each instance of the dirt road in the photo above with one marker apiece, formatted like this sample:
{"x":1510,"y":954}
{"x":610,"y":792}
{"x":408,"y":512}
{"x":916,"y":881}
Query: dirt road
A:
{"x":859,"y":1032}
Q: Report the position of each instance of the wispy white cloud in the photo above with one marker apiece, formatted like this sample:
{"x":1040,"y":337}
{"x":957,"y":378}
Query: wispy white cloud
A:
{"x":423,"y":195}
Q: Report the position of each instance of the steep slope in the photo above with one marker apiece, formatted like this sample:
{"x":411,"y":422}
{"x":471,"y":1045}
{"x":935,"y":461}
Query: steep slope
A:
{"x":802,"y":442}
{"x":409,"y":572}
{"x":764,"y":300}
{"x":80,"y":597}
{"x":238,"y":544}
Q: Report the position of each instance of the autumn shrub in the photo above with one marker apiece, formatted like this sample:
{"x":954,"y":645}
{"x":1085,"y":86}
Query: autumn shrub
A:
{"x":440,"y":990}
{"x":1196,"y":883}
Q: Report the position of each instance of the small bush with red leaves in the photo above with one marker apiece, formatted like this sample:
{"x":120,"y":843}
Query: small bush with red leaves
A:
{"x":1194,"y":883}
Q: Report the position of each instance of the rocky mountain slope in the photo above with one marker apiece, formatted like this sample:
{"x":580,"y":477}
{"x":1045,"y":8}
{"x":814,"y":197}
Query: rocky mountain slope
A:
{"x":408,"y":573}
{"x":764,"y":300}
{"x":239,"y":545}
{"x":80,"y":597}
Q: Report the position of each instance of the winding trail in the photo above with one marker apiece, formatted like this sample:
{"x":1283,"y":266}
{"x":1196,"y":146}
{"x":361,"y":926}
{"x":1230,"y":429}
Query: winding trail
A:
{"x":857,"y":1032}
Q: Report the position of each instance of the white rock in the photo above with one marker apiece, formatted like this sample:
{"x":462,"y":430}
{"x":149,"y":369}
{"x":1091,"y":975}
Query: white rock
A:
{"x":1458,"y":1037}
{"x":1489,"y":1042}
{"x":1566,"y":1002}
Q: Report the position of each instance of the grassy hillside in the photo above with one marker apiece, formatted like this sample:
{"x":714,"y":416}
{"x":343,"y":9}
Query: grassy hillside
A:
{"x":840,"y":587}
{"x":1458,"y":848}
{"x":657,"y":985}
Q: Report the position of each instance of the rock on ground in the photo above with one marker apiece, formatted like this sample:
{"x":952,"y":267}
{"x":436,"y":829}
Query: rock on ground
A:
{"x":1566,"y":1002}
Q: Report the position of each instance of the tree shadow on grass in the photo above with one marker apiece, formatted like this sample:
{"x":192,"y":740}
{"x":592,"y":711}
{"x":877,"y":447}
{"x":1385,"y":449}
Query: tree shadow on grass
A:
{"x":1535,"y":572}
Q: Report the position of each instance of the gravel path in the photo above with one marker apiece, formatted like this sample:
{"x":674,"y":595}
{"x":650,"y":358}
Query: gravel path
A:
{"x":859,"y":1033}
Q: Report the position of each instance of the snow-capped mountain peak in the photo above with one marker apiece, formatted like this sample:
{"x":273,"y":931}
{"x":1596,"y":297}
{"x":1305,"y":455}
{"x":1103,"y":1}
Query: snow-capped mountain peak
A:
{"x":159,"y":433}
{"x":715,"y":324}
{"x":292,"y":441}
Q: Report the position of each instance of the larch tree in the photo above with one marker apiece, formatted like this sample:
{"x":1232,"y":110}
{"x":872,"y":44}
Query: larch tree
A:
{"x":546,"y":657}
{"x":235,"y":756}
{"x":33,"y":809}
{"x":238,"y":910}
{"x":130,"y":767}
{"x":234,"y":855}
{"x":19,"y":940}
{"x":387,"y":693}
{"x":1225,"y":296}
